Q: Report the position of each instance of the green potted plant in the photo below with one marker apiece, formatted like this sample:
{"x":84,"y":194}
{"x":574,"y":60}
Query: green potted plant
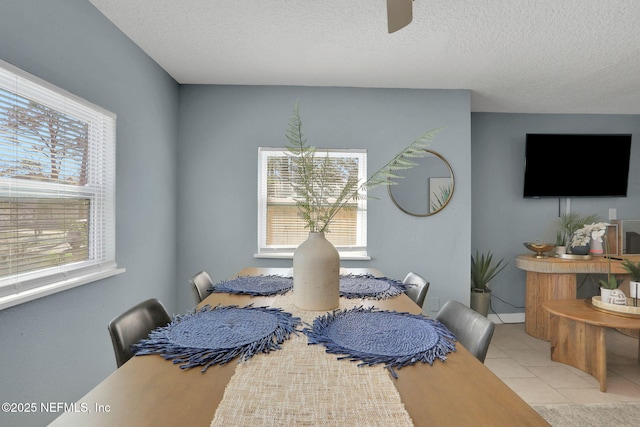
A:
{"x":633,"y":268}
{"x":319,"y":197}
{"x":483,"y":270}
{"x":568,"y":224}
{"x":611,"y":283}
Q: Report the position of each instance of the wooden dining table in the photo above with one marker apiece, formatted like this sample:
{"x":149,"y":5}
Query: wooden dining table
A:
{"x":151,"y":391}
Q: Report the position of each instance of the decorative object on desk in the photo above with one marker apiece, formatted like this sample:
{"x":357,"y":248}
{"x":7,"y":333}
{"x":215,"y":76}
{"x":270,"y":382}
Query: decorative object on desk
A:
{"x":256,"y":285}
{"x":611,"y":283}
{"x":482,"y":271}
{"x":540,"y":248}
{"x":617,"y":297}
{"x":589,"y":235}
{"x":569,"y":223}
{"x":373,"y":336}
{"x":211,"y":336}
{"x":580,"y":250}
{"x":368,"y":286}
{"x":633,"y":268}
{"x":319,"y":197}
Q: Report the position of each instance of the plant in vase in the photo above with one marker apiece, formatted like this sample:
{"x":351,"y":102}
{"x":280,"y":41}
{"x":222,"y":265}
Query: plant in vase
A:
{"x":607,"y":286}
{"x":633,"y":268}
{"x":582,"y":238}
{"x":483,"y":270}
{"x":319,"y":198}
{"x":568,"y":224}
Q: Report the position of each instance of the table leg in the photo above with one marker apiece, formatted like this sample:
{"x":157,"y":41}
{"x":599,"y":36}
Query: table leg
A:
{"x":544,"y":287}
{"x":580,"y":345}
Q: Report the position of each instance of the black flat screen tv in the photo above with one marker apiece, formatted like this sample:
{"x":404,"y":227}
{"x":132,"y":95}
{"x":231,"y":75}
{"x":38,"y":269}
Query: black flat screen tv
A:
{"x":574,"y":165}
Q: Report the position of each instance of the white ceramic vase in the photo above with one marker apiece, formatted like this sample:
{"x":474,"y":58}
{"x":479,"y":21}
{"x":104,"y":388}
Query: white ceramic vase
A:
{"x":316,"y":274}
{"x":634,"y":289}
{"x":605,"y":295}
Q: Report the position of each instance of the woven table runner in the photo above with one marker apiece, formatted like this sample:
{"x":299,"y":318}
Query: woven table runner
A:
{"x":303,"y":385}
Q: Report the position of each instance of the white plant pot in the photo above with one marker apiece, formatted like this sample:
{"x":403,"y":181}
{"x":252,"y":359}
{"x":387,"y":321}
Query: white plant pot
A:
{"x":316,"y":274}
{"x":634,"y":289}
{"x":605,"y":295}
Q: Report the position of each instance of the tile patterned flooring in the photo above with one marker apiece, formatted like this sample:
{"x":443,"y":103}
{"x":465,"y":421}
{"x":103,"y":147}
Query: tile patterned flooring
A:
{"x":524,"y":364}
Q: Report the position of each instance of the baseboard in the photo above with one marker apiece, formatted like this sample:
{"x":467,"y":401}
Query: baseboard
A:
{"x":507,"y":318}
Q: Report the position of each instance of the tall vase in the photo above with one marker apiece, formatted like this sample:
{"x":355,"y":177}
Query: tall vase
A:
{"x":316,"y":274}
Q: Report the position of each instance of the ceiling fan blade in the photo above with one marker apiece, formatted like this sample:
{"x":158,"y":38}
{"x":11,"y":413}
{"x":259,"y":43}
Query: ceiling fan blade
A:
{"x":399,"y":14}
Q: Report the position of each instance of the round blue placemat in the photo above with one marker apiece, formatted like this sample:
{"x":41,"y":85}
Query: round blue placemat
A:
{"x":218,"y":335}
{"x":256,"y":285}
{"x":368,"y":286}
{"x":374,"y":336}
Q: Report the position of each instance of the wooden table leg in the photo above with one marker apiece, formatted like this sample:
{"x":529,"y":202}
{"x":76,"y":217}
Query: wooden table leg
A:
{"x":580,"y":345}
{"x":544,"y":287}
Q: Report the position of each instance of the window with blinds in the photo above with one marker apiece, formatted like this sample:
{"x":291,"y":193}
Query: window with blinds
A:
{"x":281,"y":230}
{"x":57,"y":187}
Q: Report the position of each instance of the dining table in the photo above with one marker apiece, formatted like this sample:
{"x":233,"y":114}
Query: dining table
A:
{"x":302,"y":384}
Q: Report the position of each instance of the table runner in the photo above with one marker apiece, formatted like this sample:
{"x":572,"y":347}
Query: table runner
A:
{"x":275,"y":389}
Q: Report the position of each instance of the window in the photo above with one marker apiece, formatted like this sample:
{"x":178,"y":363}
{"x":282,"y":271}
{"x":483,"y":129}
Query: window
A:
{"x":280,"y":230}
{"x":57,"y":189}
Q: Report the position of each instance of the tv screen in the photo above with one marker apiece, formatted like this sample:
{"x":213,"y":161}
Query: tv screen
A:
{"x":573,"y":165}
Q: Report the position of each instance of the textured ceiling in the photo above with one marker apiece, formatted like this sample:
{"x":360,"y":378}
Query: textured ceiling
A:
{"x":529,"y":56}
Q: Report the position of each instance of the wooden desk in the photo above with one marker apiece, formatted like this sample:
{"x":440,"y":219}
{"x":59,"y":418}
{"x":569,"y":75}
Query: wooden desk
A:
{"x":149,"y":391}
{"x":555,"y":279}
{"x":578,"y":335}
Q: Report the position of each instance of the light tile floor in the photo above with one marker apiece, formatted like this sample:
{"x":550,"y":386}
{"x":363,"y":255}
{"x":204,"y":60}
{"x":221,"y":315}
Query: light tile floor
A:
{"x":524,"y":364}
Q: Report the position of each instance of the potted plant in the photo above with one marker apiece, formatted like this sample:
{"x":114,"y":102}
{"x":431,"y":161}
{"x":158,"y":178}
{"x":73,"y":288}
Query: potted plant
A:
{"x":568,"y":224}
{"x":607,"y":286}
{"x":483,"y":270}
{"x":319,"y":197}
{"x":633,"y":268}
{"x":582,"y":238}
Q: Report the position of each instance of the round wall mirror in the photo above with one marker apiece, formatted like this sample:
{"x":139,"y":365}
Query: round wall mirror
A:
{"x":424,"y":189}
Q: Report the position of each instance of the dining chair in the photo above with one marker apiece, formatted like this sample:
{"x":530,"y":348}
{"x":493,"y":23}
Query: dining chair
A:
{"x":202,"y":284}
{"x":134,"y":325}
{"x":473,"y":330}
{"x":418,"y":292}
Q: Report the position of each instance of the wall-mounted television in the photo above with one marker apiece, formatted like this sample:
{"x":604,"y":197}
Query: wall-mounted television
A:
{"x":575,"y":165}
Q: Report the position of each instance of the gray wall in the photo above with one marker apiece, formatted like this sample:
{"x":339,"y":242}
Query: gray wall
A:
{"x":503,"y":219}
{"x":221,"y":128}
{"x":57,"y":348}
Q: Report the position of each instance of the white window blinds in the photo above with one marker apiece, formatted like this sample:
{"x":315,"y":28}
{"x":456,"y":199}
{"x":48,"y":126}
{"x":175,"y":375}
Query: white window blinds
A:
{"x":57,"y":185}
{"x":280,"y":230}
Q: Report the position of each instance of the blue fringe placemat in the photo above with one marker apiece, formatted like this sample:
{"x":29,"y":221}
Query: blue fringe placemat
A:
{"x":217,"y":335}
{"x":351,"y":286}
{"x":256,"y":285}
{"x":368,"y":286}
{"x":373,"y":336}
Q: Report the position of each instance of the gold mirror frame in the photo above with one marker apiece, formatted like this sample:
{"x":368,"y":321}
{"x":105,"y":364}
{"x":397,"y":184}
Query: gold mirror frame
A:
{"x":442,"y":204}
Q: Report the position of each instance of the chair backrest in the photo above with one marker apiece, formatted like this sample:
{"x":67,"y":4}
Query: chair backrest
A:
{"x":419,"y":292}
{"x":202,"y":283}
{"x":134,"y":325}
{"x":473,"y":330}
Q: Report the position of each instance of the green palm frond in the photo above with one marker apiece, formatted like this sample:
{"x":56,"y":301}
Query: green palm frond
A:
{"x":318,"y":196}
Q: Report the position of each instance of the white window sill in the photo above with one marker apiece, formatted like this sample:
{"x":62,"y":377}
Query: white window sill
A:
{"x":63,"y":285}
{"x":289,"y":255}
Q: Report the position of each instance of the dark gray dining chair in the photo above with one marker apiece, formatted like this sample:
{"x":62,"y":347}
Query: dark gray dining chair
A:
{"x":473,"y":330}
{"x":202,"y":284}
{"x":418,"y":292}
{"x":134,"y":325}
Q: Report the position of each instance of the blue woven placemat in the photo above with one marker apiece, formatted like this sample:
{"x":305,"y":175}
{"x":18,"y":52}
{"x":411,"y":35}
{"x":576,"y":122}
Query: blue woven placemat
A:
{"x":217,"y":335}
{"x":373,"y":336}
{"x":368,"y":286}
{"x":256,"y":285}
{"x":351,"y":286}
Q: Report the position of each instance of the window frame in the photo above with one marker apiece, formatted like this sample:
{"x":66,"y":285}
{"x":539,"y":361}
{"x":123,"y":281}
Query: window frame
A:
{"x":353,"y":252}
{"x":17,"y":288}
